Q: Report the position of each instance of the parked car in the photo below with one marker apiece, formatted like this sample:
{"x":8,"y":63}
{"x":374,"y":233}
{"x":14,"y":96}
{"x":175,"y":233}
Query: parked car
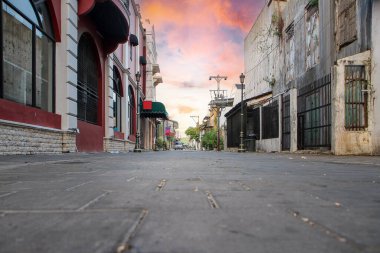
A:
{"x":178,"y":146}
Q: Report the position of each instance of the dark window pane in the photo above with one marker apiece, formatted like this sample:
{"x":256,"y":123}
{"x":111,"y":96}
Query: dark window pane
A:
{"x":87,"y":80}
{"x":44,"y":72}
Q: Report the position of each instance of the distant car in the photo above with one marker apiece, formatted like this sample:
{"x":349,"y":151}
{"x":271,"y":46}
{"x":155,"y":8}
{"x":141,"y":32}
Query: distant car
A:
{"x":178,"y":146}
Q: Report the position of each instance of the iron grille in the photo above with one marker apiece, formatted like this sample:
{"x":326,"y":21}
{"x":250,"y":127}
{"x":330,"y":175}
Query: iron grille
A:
{"x":253,"y":122}
{"x":233,"y":130}
{"x":270,"y":120}
{"x":314,"y":114}
{"x":286,"y":122}
{"x":87,"y":80}
{"x":356,"y":114}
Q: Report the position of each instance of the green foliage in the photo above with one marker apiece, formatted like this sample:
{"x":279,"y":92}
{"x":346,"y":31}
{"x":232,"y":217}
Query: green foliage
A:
{"x":210,"y":140}
{"x":193,"y":133}
{"x":159,"y":143}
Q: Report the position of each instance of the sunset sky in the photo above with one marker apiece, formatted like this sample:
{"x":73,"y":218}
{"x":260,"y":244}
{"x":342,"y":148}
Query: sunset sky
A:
{"x":196,"y":39}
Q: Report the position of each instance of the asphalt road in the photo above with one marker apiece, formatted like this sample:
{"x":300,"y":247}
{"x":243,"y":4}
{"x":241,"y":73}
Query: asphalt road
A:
{"x":184,"y":201}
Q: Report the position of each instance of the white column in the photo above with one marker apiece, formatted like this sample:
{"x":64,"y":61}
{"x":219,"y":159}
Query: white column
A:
{"x":293,"y":120}
{"x":67,"y":65}
{"x":109,"y":123}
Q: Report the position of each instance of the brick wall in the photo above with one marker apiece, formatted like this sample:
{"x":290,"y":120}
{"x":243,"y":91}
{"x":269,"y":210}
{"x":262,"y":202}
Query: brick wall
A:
{"x":115,"y":145}
{"x":24,"y":139}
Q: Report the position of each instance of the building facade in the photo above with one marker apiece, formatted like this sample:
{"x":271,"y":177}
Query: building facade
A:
{"x":311,"y":77}
{"x":69,"y":75}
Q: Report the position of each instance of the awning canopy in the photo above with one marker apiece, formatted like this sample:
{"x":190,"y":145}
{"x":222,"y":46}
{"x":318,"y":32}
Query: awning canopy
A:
{"x":151,"y":109}
{"x":110,"y":19}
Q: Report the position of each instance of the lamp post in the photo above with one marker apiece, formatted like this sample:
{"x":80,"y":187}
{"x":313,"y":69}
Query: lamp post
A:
{"x":137,"y":143}
{"x":241,"y":86}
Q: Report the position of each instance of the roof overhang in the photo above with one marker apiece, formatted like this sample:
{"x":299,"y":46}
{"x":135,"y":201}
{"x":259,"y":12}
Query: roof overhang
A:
{"x":151,"y":109}
{"x":110,"y":19}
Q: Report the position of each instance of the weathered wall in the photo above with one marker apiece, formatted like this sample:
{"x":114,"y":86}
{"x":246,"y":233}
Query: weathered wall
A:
{"x":262,"y":60}
{"x":293,"y":120}
{"x":295,"y":12}
{"x":346,"y":142}
{"x":363,"y":26}
{"x":375,"y":81}
{"x":269,"y":145}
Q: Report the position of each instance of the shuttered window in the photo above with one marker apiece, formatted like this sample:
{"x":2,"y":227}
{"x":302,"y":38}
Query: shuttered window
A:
{"x":346,"y":23}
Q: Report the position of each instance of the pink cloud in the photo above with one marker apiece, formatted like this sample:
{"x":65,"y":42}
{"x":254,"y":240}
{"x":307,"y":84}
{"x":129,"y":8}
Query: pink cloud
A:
{"x":196,"y":39}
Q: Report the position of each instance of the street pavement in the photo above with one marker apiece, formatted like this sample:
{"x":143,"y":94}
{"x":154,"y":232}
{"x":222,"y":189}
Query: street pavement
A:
{"x":189,"y":202}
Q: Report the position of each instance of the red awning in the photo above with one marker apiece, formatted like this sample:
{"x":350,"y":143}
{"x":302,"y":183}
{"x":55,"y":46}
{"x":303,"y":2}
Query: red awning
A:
{"x":110,"y":19}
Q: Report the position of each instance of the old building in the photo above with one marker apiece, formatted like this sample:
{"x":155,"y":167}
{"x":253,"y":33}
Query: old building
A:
{"x":152,"y":109}
{"x":311,"y":76}
{"x":69,"y":75}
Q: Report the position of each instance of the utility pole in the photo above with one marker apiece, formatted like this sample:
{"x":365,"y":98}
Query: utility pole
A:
{"x":218,"y":96}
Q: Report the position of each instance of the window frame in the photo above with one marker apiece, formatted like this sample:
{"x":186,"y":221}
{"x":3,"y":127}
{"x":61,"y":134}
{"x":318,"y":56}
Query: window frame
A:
{"x":117,"y":112}
{"x":311,"y":10}
{"x":35,"y":28}
{"x":341,"y":43}
{"x":355,"y":107}
{"x":89,"y":92}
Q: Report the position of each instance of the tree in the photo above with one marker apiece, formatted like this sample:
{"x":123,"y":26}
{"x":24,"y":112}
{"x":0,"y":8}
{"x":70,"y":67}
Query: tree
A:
{"x":193,"y":133}
{"x":210,"y":140}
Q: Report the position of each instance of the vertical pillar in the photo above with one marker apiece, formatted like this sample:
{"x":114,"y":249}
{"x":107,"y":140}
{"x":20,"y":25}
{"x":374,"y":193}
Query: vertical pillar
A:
{"x":293,"y":120}
{"x":109,"y":127}
{"x":67,"y":66}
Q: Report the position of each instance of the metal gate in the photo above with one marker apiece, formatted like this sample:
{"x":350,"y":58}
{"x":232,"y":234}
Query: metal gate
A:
{"x":286,"y":122}
{"x":314,"y":114}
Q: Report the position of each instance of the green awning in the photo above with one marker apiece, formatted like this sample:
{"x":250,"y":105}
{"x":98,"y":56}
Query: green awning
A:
{"x":156,"y":110}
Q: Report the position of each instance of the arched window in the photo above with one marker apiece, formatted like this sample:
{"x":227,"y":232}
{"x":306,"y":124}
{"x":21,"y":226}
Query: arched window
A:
{"x":88,"y":99}
{"x":116,"y":96}
{"x":131,"y":111}
{"x":27,"y":55}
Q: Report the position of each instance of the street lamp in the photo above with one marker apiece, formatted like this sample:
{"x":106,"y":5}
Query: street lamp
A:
{"x":241,"y":86}
{"x":137,"y":143}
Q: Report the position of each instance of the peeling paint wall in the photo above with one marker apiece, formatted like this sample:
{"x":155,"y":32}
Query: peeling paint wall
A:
{"x":344,"y":141}
{"x":375,"y":81}
{"x":262,"y":59}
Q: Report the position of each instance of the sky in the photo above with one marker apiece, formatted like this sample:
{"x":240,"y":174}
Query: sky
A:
{"x":197,"y":39}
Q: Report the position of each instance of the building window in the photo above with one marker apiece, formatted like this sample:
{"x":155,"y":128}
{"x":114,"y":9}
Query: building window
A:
{"x":88,"y":98}
{"x":346,"y":22}
{"x":289,"y":52}
{"x":270,"y":120}
{"x":312,"y":35}
{"x":27,"y":54}
{"x":116,"y":96}
{"x":131,"y":111}
{"x":356,"y":114}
